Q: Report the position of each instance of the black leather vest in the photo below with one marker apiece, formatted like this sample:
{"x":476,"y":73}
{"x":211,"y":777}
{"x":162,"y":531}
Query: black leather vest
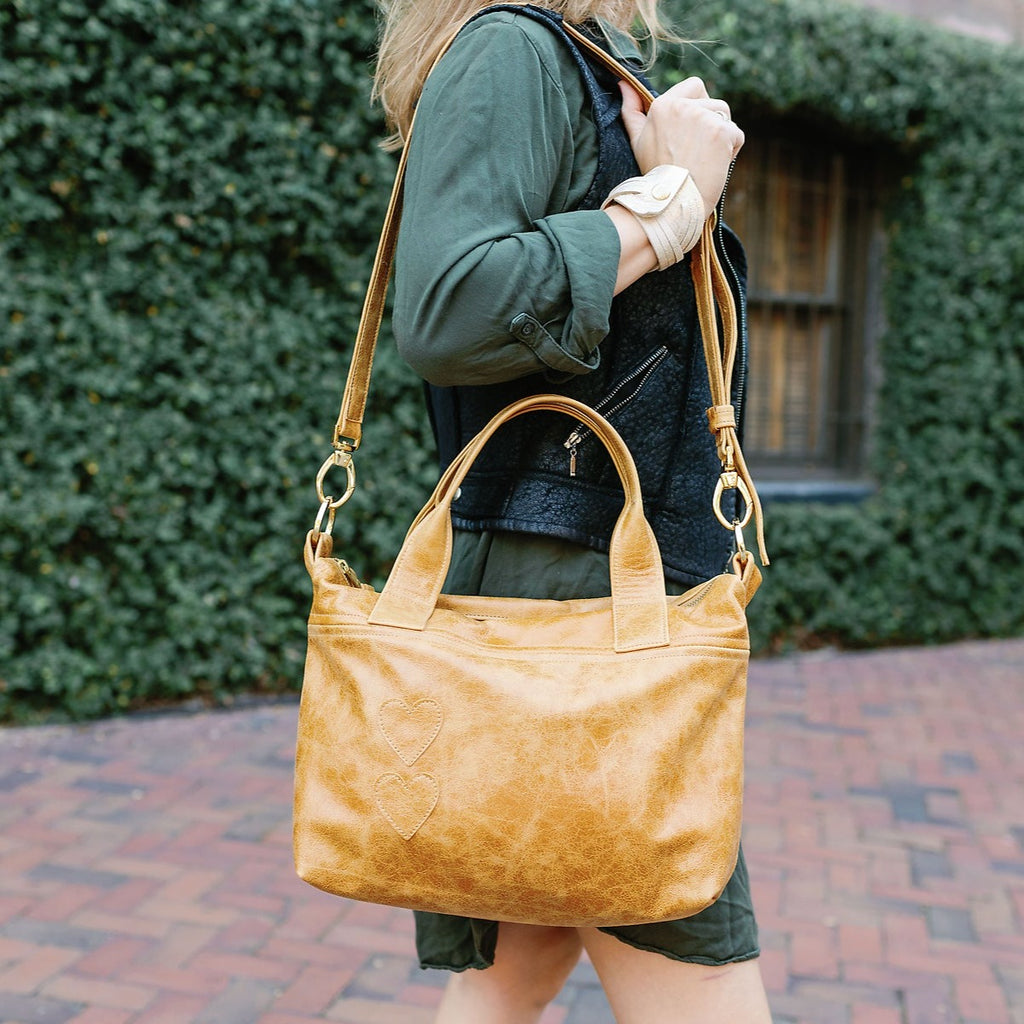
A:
{"x":540,"y":474}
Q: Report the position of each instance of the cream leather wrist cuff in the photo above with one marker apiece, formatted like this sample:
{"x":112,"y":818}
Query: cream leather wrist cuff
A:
{"x":668,"y":206}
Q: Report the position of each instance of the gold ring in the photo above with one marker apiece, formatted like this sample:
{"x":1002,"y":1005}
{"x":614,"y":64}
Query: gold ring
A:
{"x":731,"y":480}
{"x":344,"y":460}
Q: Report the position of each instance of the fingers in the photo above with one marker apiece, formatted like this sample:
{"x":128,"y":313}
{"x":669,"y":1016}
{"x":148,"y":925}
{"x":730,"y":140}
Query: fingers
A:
{"x":634,"y":112}
{"x":634,"y":117}
{"x":738,"y":139}
{"x":718,"y":107}
{"x":686,"y":127}
{"x":691,"y":88}
{"x":684,"y":96}
{"x":715,"y":120}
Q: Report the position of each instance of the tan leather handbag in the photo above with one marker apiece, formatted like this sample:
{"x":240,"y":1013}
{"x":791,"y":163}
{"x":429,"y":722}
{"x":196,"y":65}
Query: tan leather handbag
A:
{"x":546,"y":762}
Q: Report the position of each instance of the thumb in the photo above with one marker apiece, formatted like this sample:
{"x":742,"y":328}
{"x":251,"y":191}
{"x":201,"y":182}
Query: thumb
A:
{"x":633,"y":116}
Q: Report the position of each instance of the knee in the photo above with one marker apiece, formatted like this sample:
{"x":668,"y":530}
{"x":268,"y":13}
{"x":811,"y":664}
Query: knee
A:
{"x":537,"y":960}
{"x":530,"y":967}
{"x":560,"y":949}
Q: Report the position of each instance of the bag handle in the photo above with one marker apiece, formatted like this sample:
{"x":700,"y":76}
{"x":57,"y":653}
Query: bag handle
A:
{"x":709,"y":283}
{"x":639,"y":608}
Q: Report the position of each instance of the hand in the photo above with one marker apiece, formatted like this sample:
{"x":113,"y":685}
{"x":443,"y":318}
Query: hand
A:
{"x":685,"y":127}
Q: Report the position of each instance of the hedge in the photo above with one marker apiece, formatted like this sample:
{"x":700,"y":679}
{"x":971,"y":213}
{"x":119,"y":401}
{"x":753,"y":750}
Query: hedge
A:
{"x":189,"y":196}
{"x":190,"y":193}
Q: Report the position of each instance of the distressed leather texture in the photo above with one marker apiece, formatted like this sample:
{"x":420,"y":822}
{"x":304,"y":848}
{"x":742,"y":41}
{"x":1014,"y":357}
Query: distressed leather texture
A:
{"x":547,"y":762}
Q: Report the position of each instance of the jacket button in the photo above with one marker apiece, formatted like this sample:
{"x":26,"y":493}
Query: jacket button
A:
{"x":527,"y":329}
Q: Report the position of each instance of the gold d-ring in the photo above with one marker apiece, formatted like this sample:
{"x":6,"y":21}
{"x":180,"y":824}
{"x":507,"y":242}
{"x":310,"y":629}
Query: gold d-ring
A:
{"x":336,"y":458}
{"x":728,"y":481}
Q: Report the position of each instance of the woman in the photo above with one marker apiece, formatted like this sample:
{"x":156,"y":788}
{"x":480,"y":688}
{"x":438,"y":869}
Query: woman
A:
{"x":524,"y":266}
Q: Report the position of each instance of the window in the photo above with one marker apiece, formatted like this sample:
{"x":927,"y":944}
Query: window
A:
{"x":808,"y":216}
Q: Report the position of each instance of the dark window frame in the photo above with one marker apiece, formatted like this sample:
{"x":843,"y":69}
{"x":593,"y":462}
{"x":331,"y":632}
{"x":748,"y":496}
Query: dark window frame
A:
{"x":844,"y":298}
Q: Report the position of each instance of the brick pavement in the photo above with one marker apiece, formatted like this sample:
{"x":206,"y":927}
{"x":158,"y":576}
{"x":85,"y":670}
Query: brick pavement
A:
{"x":145,"y":873}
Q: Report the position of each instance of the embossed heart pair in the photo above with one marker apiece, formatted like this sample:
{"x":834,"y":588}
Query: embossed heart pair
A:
{"x":406,"y":804}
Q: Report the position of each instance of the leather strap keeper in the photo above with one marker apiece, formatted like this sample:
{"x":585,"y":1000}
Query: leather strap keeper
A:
{"x":721,"y":416}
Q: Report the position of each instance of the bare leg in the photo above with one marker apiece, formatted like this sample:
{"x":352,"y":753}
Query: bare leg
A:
{"x":530,"y":966}
{"x":648,"y":988}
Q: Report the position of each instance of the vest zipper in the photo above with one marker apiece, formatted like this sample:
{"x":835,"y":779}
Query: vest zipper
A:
{"x":615,"y":400}
{"x":741,"y":379}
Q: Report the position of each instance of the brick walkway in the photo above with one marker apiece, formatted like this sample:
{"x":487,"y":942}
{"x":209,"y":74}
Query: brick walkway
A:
{"x":145,"y":872}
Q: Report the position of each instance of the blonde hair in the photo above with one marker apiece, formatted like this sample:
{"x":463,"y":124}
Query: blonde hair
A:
{"x":415,"y":30}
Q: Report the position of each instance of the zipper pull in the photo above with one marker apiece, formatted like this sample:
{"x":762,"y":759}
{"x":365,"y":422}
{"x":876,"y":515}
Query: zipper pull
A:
{"x":349,"y":573}
{"x":570,"y":444}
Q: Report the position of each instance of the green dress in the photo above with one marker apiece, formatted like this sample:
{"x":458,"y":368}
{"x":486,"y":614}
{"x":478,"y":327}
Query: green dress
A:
{"x":503,"y":151}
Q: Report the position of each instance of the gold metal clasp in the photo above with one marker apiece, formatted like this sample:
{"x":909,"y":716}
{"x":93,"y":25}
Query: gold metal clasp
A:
{"x":730,"y":480}
{"x":339,"y":457}
{"x":342,"y":443}
{"x":737,"y":532}
{"x":326,"y":509}
{"x":741,"y":555}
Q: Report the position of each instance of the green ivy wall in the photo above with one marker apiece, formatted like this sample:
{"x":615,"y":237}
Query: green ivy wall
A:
{"x":189,"y":197}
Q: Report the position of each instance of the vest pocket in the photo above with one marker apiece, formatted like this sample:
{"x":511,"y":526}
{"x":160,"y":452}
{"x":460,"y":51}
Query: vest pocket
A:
{"x":624,"y":391}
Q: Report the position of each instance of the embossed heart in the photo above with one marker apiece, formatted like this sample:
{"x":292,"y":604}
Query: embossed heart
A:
{"x":410,"y":730}
{"x":406,"y":804}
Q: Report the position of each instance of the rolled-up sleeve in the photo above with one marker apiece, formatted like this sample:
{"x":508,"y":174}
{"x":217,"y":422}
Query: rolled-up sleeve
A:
{"x":496,"y":277}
